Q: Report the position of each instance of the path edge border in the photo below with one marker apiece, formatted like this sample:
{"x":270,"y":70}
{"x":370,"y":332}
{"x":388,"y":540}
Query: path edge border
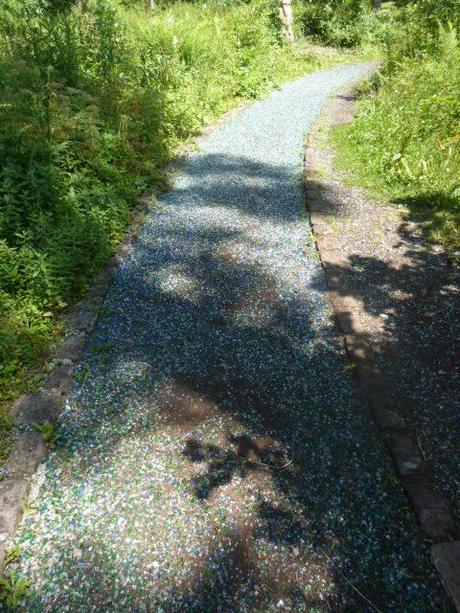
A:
{"x":431,"y":509}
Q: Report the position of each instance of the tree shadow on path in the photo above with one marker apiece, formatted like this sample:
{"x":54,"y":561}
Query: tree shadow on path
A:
{"x":223,"y":346}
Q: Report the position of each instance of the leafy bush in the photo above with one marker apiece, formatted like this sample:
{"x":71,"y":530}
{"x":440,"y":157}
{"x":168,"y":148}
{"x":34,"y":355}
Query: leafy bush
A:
{"x":345,"y":23}
{"x":417,"y":34}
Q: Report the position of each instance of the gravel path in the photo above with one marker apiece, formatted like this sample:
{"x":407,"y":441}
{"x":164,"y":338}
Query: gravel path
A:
{"x":215,"y":454}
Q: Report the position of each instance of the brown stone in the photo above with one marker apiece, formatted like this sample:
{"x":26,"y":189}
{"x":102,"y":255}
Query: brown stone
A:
{"x":3,"y":549}
{"x":71,"y":348}
{"x":12,"y":495}
{"x":384,"y":405}
{"x":345,"y":320}
{"x":437,"y":523}
{"x":431,"y":508}
{"x":446,"y":557}
{"x":104,"y":278}
{"x":60,"y":378}
{"x":83,"y":317}
{"x":356,"y":348}
{"x":26,"y":455}
{"x":322,"y":228}
{"x":387,"y":419}
{"x":37,"y":408}
{"x":99,"y":291}
{"x":406,"y":453}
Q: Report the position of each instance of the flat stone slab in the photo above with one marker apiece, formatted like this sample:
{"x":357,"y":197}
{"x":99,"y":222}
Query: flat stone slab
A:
{"x":405,"y":453}
{"x":26,"y":455}
{"x":12,"y":495}
{"x":37,"y":408}
{"x":71,"y":348}
{"x":431,"y":508}
{"x":84,"y":317}
{"x":446,"y":557}
{"x":59,"y":378}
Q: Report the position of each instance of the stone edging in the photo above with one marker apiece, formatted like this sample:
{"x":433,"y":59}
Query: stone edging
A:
{"x":430,"y":507}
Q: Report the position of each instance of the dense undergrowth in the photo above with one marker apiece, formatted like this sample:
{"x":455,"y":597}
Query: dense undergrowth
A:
{"x":405,"y":141}
{"x":342,"y":23}
{"x":96,"y":96}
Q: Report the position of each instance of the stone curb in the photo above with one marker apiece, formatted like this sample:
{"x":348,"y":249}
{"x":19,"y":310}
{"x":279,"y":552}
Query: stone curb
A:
{"x":430,"y":507}
{"x":446,"y":557}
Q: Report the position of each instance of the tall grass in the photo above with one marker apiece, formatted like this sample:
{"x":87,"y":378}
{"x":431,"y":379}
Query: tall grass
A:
{"x":93,"y":104}
{"x":405,"y":141}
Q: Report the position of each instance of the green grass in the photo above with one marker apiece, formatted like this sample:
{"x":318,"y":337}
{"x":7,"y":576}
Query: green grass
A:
{"x":404,"y":143}
{"x":93,"y":106}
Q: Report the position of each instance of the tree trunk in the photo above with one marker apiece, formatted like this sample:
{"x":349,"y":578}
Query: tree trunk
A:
{"x":287,"y":19}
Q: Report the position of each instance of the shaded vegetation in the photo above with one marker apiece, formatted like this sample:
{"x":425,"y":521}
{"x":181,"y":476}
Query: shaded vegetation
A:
{"x":345,"y":23}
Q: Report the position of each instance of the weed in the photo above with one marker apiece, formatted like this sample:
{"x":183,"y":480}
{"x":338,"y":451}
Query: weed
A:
{"x":103,"y":348}
{"x":29,"y":507}
{"x":82,"y":373}
{"x":6,"y":435}
{"x":404,"y":143}
{"x":13,"y":588}
{"x":49,"y":433}
{"x":12,"y":555}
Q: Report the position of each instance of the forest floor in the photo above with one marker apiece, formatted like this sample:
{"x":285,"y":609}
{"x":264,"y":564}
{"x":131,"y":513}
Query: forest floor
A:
{"x":216,"y":453}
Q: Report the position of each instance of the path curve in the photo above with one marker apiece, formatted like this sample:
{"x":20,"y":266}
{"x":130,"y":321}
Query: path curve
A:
{"x":215,"y":454}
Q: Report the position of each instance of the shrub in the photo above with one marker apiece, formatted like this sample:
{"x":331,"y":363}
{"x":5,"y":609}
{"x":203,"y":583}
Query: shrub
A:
{"x":345,"y":23}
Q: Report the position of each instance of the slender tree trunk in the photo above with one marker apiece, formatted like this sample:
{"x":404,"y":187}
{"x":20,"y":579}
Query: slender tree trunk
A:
{"x":287,"y":19}
{"x":152,"y":5}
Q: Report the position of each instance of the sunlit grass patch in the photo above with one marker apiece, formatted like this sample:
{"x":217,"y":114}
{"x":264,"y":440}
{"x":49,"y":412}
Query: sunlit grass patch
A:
{"x":404,"y":143}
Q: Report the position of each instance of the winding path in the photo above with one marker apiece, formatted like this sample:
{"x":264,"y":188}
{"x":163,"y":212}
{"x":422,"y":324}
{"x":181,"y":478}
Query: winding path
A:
{"x":215,"y":454}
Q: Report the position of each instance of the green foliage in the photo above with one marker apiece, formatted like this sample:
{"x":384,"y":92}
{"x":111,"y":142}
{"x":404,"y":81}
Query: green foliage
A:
{"x":49,"y":433}
{"x":6,"y":436}
{"x":417,"y":31}
{"x":12,"y":590}
{"x":406,"y":138}
{"x":12,"y":555}
{"x":345,"y":23}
